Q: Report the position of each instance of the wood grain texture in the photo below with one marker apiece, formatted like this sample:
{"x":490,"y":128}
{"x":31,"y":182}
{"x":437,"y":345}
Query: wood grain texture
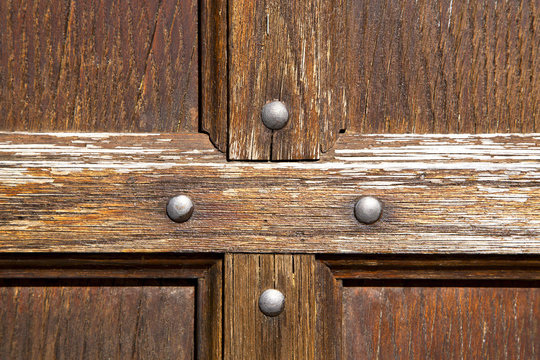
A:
{"x":289,"y":51}
{"x":470,"y":267}
{"x":249,"y":333}
{"x":214,"y":71}
{"x":73,"y":319}
{"x":443,"y":66}
{"x":210,"y":313}
{"x":185,"y":288}
{"x":328,"y":309}
{"x":107,"y":192}
{"x":112,"y":66}
{"x":447,"y":321}
{"x":436,"y":307}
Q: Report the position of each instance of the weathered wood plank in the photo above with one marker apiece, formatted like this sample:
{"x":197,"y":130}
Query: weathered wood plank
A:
{"x":443,"y":66}
{"x":113,"y":66}
{"x":108,"y":192}
{"x":252,"y":335}
{"x":106,"y":266}
{"x":214,"y":85}
{"x":328,"y":308}
{"x":289,"y":51}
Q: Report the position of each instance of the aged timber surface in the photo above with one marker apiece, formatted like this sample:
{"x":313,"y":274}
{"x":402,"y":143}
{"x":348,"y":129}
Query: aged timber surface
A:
{"x":110,"y":306}
{"x":440,"y":321}
{"x":113,"y":66}
{"x":443,"y":66}
{"x":107,"y":192}
{"x":380,"y":66}
{"x":308,"y":326}
{"x":96,"y":319}
{"x":213,"y":72}
{"x":288,"y":50}
{"x":252,"y":335}
{"x":438,"y":307}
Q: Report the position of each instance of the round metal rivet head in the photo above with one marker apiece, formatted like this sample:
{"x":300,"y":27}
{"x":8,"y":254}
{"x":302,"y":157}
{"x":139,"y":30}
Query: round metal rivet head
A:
{"x":271,"y":302}
{"x":368,"y":209}
{"x":275,"y":115}
{"x":179,"y":208}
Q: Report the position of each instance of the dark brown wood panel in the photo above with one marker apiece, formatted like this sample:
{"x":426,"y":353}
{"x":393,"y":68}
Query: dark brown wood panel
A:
{"x":437,"y":307}
{"x":210,"y":312}
{"x":289,"y":51}
{"x":328,"y":309}
{"x":443,"y":66}
{"x":110,"y":306}
{"x":441,"y":321}
{"x":109,"y":66}
{"x":85,"y":319}
{"x":214,"y":71}
{"x":106,"y":192}
{"x":470,"y":267}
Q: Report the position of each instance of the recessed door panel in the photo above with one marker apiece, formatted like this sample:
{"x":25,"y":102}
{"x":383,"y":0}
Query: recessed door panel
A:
{"x":102,"y":319}
{"x":441,"y":320}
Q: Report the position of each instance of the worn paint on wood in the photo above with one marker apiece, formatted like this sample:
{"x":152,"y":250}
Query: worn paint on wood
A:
{"x":107,"y":192}
{"x":290,"y":51}
{"x":112,"y":66}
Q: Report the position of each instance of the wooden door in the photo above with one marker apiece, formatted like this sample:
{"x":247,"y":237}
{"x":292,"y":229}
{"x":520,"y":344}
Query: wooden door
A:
{"x":108,"y":110}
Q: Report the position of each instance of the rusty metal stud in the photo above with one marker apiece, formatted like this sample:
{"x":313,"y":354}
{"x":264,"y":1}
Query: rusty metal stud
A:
{"x":275,"y":115}
{"x":271,"y":302}
{"x":180,"y":208}
{"x":368,"y":209}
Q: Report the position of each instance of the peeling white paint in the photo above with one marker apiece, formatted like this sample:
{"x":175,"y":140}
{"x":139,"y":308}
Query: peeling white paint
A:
{"x":492,"y":190}
{"x":513,"y":197}
{"x":17,"y":177}
{"x":494,"y":186}
{"x":78,"y":134}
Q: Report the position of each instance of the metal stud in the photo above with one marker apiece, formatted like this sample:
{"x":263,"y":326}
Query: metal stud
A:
{"x":368,"y":209}
{"x":275,"y":115}
{"x":271,"y":302}
{"x":180,"y":208}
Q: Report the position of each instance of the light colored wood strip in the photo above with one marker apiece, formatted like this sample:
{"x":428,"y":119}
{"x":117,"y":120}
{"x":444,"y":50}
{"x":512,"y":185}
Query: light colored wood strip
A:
{"x":290,"y":51}
{"x":251,"y":334}
{"x":107,"y":192}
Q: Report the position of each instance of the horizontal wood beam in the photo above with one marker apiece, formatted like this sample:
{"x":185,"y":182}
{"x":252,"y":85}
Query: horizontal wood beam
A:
{"x":108,"y":192}
{"x":427,"y":267}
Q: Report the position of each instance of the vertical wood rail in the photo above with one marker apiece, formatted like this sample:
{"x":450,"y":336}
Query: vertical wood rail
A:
{"x":289,"y":51}
{"x":213,"y":48}
{"x":210,"y":314}
{"x":306,"y":327}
